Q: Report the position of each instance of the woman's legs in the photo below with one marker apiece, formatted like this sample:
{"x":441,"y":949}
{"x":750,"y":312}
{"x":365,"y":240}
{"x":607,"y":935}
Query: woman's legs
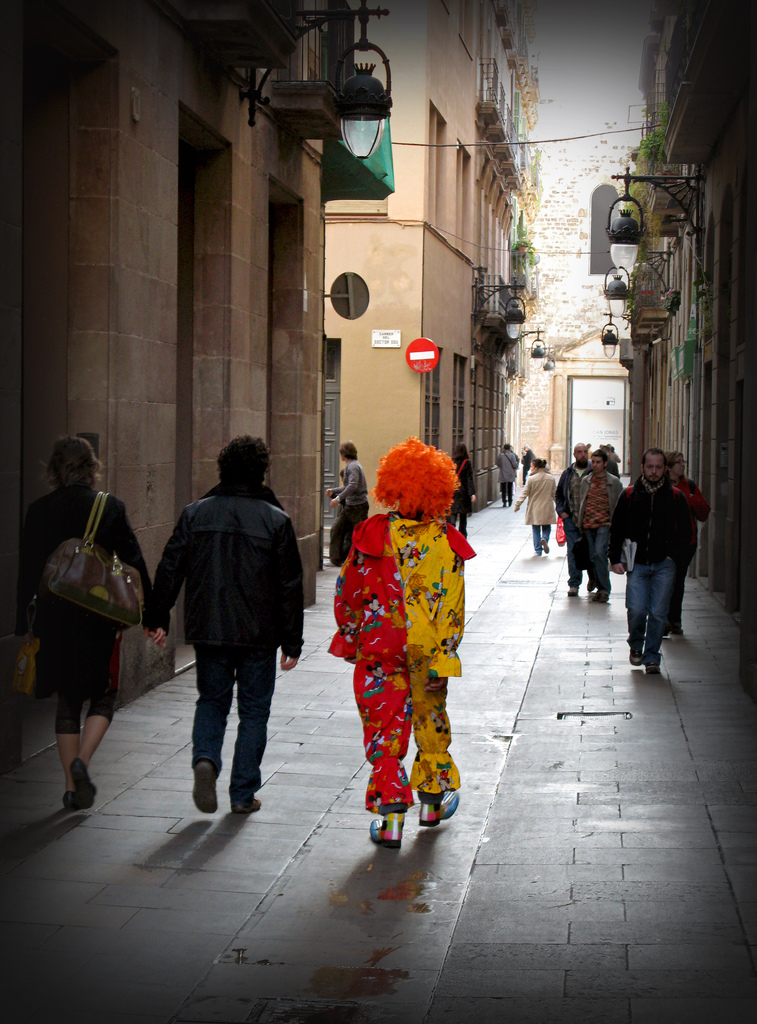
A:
{"x":68,"y":751}
{"x":95,"y":727}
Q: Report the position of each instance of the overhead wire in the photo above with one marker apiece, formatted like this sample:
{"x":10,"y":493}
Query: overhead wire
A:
{"x":516,"y":142}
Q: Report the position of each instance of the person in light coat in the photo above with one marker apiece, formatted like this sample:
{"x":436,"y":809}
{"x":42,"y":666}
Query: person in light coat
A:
{"x":540,"y":511}
{"x":507,"y":463}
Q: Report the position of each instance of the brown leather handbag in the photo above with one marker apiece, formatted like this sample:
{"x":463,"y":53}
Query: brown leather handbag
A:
{"x":84,"y":573}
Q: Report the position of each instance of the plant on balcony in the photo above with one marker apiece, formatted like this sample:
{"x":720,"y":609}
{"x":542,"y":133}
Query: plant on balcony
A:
{"x":524,"y":248}
{"x":672,"y":301}
{"x":653,"y":144}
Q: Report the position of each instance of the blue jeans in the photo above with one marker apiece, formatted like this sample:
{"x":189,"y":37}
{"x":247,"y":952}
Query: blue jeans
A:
{"x":598,"y":541}
{"x":572,"y":534}
{"x":648,"y":590}
{"x":254,"y":672}
{"x":538,"y":533}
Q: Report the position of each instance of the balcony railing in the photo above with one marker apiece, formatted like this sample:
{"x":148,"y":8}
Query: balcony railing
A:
{"x":681,"y":42}
{"x":523,"y":274}
{"x":488,"y":80}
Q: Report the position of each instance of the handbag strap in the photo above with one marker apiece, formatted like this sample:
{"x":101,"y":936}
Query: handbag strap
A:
{"x":94,"y":517}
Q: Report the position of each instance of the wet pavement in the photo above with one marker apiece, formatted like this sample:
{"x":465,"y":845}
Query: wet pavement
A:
{"x":602,"y":866}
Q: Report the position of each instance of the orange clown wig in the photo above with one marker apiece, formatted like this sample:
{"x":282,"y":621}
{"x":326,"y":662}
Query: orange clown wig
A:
{"x":416,"y":480}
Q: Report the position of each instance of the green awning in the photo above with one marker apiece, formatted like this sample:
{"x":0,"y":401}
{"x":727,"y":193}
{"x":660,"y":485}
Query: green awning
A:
{"x":344,"y":176}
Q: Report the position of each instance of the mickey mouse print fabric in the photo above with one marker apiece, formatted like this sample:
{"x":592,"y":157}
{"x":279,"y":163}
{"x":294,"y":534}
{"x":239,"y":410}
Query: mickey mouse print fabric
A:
{"x":400,"y":608}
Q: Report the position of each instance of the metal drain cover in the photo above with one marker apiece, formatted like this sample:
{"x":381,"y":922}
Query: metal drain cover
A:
{"x":286,"y":1011}
{"x":561,"y":715}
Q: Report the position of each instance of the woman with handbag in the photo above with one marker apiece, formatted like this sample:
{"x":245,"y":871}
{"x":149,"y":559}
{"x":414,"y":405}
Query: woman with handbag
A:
{"x":540,"y":511}
{"x":465,"y":495}
{"x":76,"y":644}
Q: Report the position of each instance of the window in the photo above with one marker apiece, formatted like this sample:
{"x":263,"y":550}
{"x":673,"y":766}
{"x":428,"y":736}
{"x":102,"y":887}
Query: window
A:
{"x":458,"y":401}
{"x":466,"y":23}
{"x":462,"y":204}
{"x":437,"y":160}
{"x":431,"y":426}
{"x":602,"y":199}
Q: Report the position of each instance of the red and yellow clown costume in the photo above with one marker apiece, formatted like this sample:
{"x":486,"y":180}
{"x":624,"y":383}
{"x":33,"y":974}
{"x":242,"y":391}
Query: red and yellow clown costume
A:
{"x":399,"y":606}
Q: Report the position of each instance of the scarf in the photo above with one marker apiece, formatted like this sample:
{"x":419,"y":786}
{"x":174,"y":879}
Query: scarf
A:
{"x":652,"y":488}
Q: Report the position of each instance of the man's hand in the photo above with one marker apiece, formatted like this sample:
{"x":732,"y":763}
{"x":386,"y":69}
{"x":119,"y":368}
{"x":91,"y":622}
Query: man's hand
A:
{"x":334,"y":502}
{"x":288,"y":663}
{"x":158,"y":636}
{"x":564,"y":515}
{"x":473,"y":499}
{"x":434,"y":683}
{"x":618,"y":567}
{"x":329,"y":492}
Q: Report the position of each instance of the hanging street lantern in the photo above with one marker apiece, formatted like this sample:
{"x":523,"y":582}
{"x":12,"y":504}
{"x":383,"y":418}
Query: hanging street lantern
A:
{"x":616,"y":290}
{"x":609,"y":339}
{"x":624,"y":230}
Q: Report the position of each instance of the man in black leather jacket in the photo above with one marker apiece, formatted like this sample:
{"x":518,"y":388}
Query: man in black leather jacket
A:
{"x":237,"y":553}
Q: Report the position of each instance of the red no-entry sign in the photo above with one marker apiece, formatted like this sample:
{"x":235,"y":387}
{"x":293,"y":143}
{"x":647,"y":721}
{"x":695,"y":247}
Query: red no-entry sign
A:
{"x":422,"y":355}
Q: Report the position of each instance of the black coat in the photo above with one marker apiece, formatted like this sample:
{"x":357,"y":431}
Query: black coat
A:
{"x":461,"y":501}
{"x":75,"y":644}
{"x":239,"y":557}
{"x":660,"y":523}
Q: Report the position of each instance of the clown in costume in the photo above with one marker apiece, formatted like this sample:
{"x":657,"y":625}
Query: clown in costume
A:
{"x":399,"y":606}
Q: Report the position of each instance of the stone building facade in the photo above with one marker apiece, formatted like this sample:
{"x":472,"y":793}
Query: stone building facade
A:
{"x":569,"y":237}
{"x":162,"y":285}
{"x":436,"y":256}
{"x":694,"y":364}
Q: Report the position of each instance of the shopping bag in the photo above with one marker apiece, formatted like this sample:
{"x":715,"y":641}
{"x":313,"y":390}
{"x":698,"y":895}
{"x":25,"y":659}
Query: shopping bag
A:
{"x":581,"y":554}
{"x":560,"y":534}
{"x":25,"y":674}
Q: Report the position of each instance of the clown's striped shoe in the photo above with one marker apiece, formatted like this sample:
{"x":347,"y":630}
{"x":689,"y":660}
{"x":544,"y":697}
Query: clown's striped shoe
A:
{"x":433,"y":814}
{"x":388,"y":832}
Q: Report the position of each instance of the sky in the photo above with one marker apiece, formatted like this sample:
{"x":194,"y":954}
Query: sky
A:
{"x":589,"y":55}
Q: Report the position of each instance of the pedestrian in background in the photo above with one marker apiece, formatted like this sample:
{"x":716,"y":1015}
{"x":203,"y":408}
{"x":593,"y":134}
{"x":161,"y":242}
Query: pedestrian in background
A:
{"x":568,"y":503}
{"x":598,"y":494}
{"x":400,"y":609}
{"x":507,"y":464}
{"x":465,"y":495}
{"x":540,"y":511}
{"x":243,"y":600}
{"x":76,"y":645}
{"x":353,"y":497}
{"x":700,"y":510}
{"x":612,"y":459}
{"x":655,"y":518}
{"x":527,"y":457}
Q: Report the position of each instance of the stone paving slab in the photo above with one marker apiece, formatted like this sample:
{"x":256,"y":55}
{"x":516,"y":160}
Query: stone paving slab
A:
{"x":598,"y":870}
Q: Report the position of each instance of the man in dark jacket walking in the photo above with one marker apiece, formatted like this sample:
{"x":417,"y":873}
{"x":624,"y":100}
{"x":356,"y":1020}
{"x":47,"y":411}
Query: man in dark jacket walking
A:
{"x":238,"y":555}
{"x":654,"y":517}
{"x":568,"y":504}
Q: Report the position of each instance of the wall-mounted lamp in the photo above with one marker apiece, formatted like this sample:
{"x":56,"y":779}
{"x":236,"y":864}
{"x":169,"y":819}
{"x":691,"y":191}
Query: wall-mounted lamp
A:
{"x":362,"y":102}
{"x":609,"y":339}
{"x":616,"y":290}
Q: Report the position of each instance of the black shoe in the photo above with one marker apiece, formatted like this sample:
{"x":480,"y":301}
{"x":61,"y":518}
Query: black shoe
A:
{"x":636,"y":657}
{"x":676,"y":629}
{"x":204,"y":792}
{"x":652,"y":670}
{"x":69,"y":800}
{"x":591,"y":585}
{"x":84,"y":795}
